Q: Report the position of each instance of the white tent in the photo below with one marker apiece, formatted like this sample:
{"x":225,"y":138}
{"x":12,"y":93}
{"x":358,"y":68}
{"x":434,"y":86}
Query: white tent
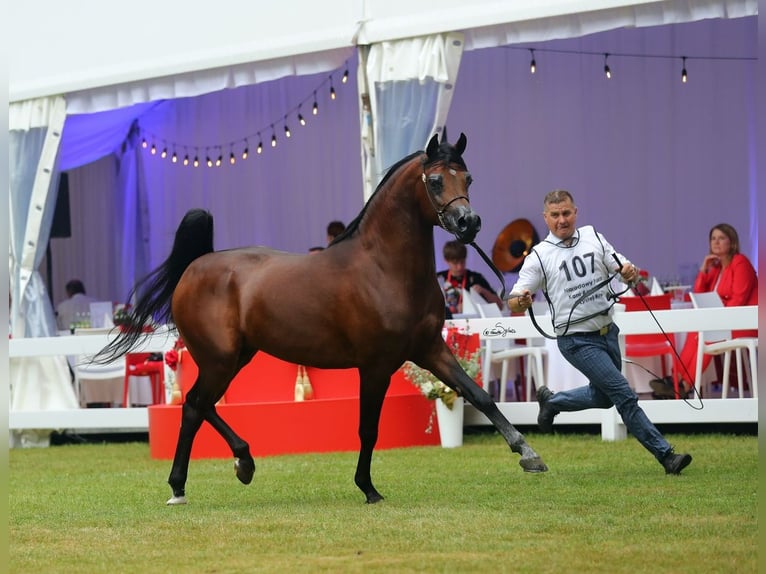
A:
{"x":207,"y":79}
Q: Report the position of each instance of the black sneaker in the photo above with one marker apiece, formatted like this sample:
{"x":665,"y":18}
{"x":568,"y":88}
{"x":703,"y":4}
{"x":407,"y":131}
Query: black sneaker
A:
{"x":675,"y":463}
{"x":547,"y":412}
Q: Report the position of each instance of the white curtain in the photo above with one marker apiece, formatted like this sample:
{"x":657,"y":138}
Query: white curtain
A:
{"x":406,"y":88}
{"x":35,"y":134}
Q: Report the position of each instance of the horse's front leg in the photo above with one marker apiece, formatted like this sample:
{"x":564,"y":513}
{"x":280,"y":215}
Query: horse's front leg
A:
{"x":372,"y":391}
{"x":244,"y":465}
{"x":447,"y":369}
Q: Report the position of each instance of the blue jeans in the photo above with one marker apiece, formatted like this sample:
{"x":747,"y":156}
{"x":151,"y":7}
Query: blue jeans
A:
{"x":598,"y":358}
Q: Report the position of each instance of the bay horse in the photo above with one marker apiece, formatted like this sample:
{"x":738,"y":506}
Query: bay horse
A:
{"x":370,"y":300}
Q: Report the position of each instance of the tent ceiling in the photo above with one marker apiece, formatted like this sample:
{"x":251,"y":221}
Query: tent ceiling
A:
{"x":153,"y":42}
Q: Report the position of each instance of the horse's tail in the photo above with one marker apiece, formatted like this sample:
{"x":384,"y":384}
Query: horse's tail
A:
{"x":154,"y":292}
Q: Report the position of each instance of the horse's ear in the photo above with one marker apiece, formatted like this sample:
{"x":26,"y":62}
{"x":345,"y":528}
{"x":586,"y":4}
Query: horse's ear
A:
{"x":460,"y":145}
{"x":433,"y":146}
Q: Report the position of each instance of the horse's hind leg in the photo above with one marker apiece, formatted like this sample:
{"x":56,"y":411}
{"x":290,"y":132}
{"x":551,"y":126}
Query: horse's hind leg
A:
{"x":191,"y":420}
{"x":372,"y":392}
{"x":243,"y":463}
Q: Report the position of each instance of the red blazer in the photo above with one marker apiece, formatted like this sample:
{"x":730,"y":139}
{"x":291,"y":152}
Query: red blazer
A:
{"x":738,"y":285}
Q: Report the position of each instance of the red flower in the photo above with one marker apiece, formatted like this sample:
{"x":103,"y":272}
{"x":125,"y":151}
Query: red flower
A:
{"x":171,"y":359}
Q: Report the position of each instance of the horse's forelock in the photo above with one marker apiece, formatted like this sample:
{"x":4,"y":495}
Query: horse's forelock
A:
{"x":447,"y":154}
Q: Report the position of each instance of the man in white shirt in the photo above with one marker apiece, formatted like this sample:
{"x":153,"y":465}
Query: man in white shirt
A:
{"x":573,"y":266}
{"x":77,"y":303}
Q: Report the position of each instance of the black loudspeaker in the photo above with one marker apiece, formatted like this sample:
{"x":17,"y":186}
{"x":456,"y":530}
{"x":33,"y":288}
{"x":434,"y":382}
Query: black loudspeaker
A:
{"x":62,"y":222}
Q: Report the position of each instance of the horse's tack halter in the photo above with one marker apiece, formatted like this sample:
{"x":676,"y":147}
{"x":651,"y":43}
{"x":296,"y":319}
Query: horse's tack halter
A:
{"x":434,"y":185}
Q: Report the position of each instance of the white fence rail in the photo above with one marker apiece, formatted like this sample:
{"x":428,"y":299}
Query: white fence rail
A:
{"x":637,"y":322}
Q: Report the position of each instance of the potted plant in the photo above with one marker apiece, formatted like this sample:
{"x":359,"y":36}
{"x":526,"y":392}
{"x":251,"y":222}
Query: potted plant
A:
{"x":449,"y":406}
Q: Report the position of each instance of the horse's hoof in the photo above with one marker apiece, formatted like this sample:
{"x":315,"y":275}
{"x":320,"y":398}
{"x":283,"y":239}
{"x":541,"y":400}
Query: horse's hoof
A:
{"x":535,"y":464}
{"x":175,"y":500}
{"x":374,"y":498}
{"x":245,"y":470}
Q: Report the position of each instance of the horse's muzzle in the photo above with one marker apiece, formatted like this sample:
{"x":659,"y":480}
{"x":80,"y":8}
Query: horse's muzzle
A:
{"x":467,"y":224}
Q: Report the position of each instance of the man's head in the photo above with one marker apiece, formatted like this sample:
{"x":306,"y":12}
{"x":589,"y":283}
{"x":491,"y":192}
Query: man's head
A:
{"x":560,"y":213}
{"x":334,"y":228}
{"x":455,"y":253}
{"x":73,"y":287}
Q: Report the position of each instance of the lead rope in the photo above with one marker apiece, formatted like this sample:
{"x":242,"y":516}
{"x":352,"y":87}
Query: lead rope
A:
{"x":499,"y":275}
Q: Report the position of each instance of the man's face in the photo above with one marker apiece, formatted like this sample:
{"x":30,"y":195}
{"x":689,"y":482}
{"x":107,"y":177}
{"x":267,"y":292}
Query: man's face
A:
{"x":561,"y":218}
{"x":456,"y":267}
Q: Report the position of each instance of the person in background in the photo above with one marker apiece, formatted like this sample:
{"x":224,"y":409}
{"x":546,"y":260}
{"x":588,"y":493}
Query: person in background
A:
{"x":570,"y":264}
{"x":456,"y":279}
{"x":76,"y":303}
{"x":334,"y":228}
{"x":728,"y":272}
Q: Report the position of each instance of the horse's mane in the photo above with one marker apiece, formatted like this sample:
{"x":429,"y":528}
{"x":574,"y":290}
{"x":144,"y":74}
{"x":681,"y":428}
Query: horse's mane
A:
{"x":354,"y":225}
{"x":446,"y":154}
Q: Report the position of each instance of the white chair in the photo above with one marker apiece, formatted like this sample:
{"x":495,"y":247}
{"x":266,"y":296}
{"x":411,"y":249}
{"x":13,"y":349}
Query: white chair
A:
{"x":503,"y":351}
{"x":721,"y":343}
{"x":85,"y":370}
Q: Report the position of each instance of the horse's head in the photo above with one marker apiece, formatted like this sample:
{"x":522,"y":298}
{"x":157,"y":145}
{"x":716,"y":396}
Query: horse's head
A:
{"x":447,"y":180}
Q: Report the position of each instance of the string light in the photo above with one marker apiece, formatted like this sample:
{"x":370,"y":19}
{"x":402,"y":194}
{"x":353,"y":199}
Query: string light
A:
{"x":212,"y":159}
{"x":532,"y":63}
{"x":684,"y":75}
{"x":607,"y":71}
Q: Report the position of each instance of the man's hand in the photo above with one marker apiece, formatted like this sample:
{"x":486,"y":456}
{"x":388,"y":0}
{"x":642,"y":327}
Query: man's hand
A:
{"x":520,"y":302}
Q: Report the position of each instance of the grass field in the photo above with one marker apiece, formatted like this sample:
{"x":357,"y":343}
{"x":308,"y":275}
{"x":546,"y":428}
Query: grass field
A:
{"x":602,"y":507}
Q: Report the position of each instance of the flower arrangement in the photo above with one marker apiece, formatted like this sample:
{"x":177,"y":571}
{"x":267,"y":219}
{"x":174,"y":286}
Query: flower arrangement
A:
{"x":431,"y":387}
{"x":171,"y":360}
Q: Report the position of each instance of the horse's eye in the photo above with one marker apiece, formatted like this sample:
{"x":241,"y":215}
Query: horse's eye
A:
{"x":436,"y":183}
{"x":468,"y":179}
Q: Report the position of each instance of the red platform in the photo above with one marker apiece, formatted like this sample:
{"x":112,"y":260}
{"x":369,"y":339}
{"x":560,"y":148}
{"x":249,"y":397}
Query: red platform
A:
{"x":259,"y":405}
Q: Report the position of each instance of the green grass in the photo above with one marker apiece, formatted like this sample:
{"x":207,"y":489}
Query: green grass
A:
{"x":602,"y":507}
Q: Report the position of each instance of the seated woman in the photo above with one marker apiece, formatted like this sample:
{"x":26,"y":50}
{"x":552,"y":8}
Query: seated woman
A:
{"x":729,"y":273}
